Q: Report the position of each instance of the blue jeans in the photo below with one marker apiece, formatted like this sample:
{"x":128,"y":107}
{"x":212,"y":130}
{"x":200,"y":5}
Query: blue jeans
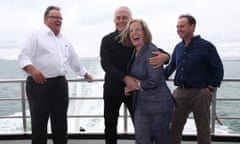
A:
{"x":151,"y":127}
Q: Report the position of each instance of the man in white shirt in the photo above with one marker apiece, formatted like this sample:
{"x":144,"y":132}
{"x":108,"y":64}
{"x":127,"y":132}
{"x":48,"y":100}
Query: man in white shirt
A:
{"x":46,"y":57}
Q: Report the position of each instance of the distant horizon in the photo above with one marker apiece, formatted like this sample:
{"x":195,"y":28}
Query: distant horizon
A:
{"x":231,"y":52}
{"x":226,"y":54}
{"x":98,"y":57}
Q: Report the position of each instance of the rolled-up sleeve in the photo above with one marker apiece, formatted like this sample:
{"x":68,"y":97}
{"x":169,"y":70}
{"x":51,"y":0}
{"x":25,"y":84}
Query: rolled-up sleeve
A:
{"x":27,"y":52}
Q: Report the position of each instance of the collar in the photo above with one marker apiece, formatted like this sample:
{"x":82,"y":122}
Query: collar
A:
{"x":48,"y":31}
{"x":193,"y":39}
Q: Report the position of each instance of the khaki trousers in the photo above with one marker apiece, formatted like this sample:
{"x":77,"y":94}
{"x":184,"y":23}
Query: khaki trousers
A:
{"x":191,"y":100}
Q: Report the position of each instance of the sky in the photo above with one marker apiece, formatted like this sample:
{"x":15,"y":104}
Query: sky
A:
{"x":85,"y":22}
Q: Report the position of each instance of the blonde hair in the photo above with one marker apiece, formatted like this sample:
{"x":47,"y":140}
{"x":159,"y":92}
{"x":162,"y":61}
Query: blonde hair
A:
{"x":125,"y":39}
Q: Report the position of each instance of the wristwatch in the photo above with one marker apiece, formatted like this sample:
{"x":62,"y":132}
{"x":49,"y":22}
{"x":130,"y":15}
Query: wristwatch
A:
{"x":85,"y":76}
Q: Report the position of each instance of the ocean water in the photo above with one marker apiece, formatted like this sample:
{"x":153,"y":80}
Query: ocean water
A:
{"x":10,"y":70}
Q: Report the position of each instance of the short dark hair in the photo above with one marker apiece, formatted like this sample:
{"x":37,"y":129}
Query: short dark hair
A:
{"x":49,"y":8}
{"x":190,"y":18}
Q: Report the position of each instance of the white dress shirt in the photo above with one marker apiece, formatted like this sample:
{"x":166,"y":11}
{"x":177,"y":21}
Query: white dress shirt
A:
{"x":50,"y":54}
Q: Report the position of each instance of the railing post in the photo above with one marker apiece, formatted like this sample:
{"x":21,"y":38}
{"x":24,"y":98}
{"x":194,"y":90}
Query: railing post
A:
{"x":213,"y":114}
{"x":125,"y":119}
{"x":23,"y":107}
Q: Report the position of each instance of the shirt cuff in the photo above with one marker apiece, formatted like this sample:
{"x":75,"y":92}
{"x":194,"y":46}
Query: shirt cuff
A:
{"x":139,"y":84}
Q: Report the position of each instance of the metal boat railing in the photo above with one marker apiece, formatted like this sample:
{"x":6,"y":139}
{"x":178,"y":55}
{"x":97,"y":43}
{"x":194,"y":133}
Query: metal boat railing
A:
{"x":24,"y":116}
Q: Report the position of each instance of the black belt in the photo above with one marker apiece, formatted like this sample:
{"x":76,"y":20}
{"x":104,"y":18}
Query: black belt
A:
{"x":57,"y":77}
{"x":186,"y":86}
{"x":52,"y":78}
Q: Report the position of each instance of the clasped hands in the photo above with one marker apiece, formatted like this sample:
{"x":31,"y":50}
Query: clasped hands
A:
{"x":132,"y":84}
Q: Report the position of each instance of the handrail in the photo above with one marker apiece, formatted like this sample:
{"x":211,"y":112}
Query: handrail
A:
{"x":125,"y":115}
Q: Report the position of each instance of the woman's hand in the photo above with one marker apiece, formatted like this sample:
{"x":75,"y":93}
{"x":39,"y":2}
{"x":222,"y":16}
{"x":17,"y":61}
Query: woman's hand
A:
{"x":127,"y":91}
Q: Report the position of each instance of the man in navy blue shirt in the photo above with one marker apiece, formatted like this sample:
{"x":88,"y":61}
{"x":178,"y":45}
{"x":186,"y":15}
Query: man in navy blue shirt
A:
{"x":199,"y":70}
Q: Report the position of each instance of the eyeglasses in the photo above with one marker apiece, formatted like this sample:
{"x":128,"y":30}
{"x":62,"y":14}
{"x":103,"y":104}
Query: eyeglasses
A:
{"x":55,"y":17}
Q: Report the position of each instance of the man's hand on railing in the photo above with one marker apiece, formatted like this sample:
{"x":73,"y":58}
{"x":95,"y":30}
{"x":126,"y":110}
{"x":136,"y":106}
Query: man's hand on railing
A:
{"x":88,"y":77}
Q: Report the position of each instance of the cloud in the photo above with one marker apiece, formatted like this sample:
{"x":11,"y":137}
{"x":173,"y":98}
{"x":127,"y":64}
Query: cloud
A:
{"x":86,"y":22}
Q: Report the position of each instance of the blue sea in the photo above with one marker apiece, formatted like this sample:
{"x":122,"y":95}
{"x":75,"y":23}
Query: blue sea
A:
{"x":10,"y":70}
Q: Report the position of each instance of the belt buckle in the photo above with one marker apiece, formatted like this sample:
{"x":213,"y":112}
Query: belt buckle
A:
{"x":184,"y":87}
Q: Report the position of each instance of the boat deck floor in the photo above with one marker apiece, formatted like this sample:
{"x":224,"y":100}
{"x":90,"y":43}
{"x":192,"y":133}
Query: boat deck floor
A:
{"x":96,"y":141}
{"x":95,"y":138}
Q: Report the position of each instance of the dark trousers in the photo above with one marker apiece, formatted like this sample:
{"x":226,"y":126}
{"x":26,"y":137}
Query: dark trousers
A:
{"x":191,"y":100}
{"x":48,"y":100}
{"x":112,"y":103}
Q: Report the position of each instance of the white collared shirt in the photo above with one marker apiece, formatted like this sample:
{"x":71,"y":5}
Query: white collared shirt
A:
{"x":50,"y":54}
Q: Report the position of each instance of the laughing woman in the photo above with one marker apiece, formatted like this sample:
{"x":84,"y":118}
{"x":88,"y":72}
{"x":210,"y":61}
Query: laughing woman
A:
{"x":153,"y":102}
